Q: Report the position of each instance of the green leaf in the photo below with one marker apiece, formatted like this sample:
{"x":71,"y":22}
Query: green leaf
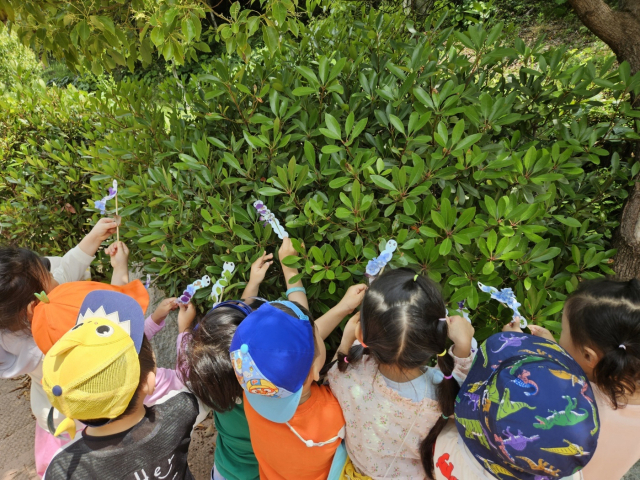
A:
{"x":269,"y":192}
{"x":383,"y":182}
{"x":188,"y":28}
{"x":157,"y":36}
{"x":397,"y":123}
{"x":304,"y":91}
{"x":333,"y":125}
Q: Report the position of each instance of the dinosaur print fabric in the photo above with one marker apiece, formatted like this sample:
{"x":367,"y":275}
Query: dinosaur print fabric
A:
{"x":518,"y":416}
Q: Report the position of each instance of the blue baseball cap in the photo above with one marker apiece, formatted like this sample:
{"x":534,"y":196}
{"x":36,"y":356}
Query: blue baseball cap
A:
{"x":272,"y":353}
{"x":527,"y":410}
{"x":117,"y":307}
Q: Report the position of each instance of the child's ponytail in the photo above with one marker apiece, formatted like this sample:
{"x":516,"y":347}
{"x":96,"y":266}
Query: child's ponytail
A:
{"x":604,"y":315}
{"x":354,"y":356}
{"x":447,"y":391}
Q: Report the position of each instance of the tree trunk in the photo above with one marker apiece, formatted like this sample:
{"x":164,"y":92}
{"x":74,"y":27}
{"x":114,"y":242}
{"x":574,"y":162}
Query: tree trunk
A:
{"x":627,"y":238}
{"x":620,"y":29}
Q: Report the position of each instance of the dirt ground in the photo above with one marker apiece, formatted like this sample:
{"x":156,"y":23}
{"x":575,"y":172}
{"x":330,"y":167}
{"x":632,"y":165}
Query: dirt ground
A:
{"x":17,"y":427}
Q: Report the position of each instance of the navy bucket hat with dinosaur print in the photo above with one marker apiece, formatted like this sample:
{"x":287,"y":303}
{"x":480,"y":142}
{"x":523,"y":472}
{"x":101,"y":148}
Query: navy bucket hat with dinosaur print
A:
{"x":526,"y":409}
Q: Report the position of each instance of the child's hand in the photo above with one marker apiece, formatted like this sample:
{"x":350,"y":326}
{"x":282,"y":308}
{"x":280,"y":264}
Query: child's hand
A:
{"x":103,"y":229}
{"x":349,"y":333}
{"x":286,"y":249}
{"x":513,"y":326}
{"x":99,"y":233}
{"x":461,"y":333}
{"x":353,"y":298}
{"x":186,"y":316}
{"x":542,"y":332}
{"x":259,"y":268}
{"x":119,"y":254}
{"x":161,"y":312}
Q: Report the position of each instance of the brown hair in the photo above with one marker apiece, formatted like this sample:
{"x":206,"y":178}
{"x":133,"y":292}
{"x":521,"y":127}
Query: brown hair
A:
{"x":605,"y":315}
{"x":22,"y":274}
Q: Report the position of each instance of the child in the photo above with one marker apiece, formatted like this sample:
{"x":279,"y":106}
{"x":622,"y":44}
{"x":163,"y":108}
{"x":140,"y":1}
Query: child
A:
{"x":389,"y":396}
{"x":296,"y":425}
{"x":207,"y":370}
{"x":525,"y":411}
{"x":601,"y":331}
{"x":99,"y":373}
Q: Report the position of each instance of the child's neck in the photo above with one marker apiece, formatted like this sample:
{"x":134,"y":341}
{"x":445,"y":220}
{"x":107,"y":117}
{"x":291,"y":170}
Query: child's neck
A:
{"x":399,"y":375}
{"x":121,"y":425}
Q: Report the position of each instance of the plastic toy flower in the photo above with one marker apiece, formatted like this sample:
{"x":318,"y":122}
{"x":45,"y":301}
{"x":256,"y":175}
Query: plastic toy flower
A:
{"x":192,"y":288}
{"x":269,"y":218}
{"x":112,"y":193}
{"x":376,"y":265}
{"x":218,"y":288}
{"x":506,"y":297}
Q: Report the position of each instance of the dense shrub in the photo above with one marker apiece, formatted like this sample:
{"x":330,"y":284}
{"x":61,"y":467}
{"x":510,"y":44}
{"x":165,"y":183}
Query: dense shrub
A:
{"x":17,"y":62}
{"x":476,"y":156}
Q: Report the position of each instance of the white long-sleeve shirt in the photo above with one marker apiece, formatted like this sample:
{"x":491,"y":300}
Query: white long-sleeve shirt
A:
{"x":19,"y":354}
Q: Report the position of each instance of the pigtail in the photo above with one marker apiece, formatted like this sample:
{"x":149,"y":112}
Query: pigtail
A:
{"x":617,"y":372}
{"x":354,"y":356}
{"x":447,"y":391}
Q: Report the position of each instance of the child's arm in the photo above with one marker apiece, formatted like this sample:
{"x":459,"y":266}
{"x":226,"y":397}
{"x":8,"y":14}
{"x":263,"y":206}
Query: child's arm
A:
{"x":460,"y":332}
{"x":168,"y":379}
{"x":351,"y":300}
{"x":300,"y":296}
{"x":119,"y":254}
{"x":155,"y":322}
{"x":258,"y":271}
{"x":98,"y":234}
{"x":348,"y":336}
{"x":74,"y":264}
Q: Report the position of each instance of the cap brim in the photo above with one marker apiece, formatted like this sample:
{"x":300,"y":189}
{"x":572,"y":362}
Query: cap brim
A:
{"x":277,"y":410}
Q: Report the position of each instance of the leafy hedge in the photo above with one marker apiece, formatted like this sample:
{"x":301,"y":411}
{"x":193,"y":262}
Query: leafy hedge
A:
{"x":476,"y":156}
{"x":17,"y":62}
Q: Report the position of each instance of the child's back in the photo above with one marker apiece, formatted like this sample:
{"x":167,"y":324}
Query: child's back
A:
{"x":296,"y":426}
{"x":156,"y":447}
{"x":283,"y":455}
{"x":525,"y":411}
{"x":99,"y":373}
{"x":601,"y":331}
{"x":619,"y":445}
{"x":390,"y":398}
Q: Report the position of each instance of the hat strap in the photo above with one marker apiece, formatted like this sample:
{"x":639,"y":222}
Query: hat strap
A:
{"x":311,"y":443}
{"x":293,"y":307}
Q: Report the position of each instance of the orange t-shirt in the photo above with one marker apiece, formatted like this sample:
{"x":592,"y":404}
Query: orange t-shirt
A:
{"x":282,"y":455}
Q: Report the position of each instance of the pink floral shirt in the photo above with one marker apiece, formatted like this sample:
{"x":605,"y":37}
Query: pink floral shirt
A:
{"x":378,"y":419}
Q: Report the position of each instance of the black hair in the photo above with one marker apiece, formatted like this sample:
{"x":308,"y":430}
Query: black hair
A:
{"x":23,"y":273}
{"x":401,"y":327}
{"x":605,"y":314}
{"x":147,"y":361}
{"x":204,"y":365}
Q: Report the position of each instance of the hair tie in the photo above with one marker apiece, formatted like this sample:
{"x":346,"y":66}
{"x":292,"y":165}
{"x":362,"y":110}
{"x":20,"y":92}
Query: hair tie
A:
{"x":444,"y":352}
{"x":363,"y":345}
{"x":346,"y":360}
{"x":448,"y":377}
{"x":447,"y":418}
{"x":42,"y":296}
{"x":442,"y":319}
{"x":622,"y":346}
{"x":415,"y":278}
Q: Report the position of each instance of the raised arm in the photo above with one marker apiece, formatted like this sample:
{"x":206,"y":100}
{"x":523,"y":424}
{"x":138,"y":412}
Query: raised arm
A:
{"x":256,"y":276}
{"x":351,"y":300}
{"x":297,"y":291}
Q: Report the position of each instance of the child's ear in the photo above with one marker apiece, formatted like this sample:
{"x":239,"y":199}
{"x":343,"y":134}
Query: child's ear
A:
{"x":590,"y":357}
{"x":30,"y":308}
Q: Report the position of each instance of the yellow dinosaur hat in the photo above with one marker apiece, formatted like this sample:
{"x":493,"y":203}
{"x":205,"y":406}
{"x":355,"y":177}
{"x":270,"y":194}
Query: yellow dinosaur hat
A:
{"x":93,"y":371}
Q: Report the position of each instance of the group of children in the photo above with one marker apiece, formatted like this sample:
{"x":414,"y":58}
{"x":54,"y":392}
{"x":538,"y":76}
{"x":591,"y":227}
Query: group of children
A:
{"x":405,"y":397}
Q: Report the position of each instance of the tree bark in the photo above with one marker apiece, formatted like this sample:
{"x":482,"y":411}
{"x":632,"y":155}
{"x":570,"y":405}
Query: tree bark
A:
{"x":620,"y":30}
